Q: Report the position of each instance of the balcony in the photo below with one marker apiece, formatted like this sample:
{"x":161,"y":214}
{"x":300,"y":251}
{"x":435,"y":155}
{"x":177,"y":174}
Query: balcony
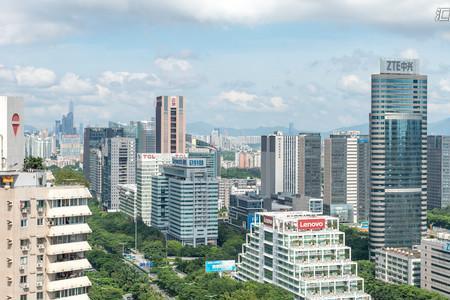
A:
{"x":68,"y":248}
{"x":68,"y":266}
{"x":65,"y":284}
{"x":68,"y":211}
{"x":77,"y":297}
{"x":69,"y":229}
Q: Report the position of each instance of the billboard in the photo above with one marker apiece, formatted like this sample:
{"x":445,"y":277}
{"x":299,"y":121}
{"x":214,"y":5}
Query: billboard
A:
{"x":220,"y":266}
{"x":311,"y":224}
{"x":399,"y":66}
{"x":268,"y":220}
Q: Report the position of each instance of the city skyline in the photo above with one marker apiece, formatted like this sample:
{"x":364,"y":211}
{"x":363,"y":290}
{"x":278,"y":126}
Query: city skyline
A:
{"x":213,"y":57}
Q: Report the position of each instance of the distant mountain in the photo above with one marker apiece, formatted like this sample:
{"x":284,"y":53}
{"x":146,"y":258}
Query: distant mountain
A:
{"x":201,"y":128}
{"x":440,"y":127}
{"x":363,"y":128}
{"x":29,"y":128}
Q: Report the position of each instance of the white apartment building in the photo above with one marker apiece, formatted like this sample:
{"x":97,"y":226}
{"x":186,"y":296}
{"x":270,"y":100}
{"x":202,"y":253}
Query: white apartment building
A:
{"x":435,"y":267}
{"x":149,"y":165}
{"x":398,"y":265}
{"x":44,"y":236}
{"x":303,"y":253}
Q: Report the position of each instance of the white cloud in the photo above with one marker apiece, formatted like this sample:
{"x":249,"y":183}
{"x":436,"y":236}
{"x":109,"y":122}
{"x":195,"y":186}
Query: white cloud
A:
{"x":444,"y":84}
{"x":71,"y":83}
{"x":243,"y":101}
{"x":34,"y":77}
{"x":352,"y":83}
{"x":109,"y":78}
{"x":30,"y":21}
{"x":170,"y":64}
{"x":409,"y":53}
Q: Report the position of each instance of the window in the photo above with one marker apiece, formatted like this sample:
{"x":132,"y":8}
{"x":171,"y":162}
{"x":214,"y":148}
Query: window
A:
{"x":23,"y":222}
{"x":23,"y":279}
{"x":40,"y":203}
{"x":40,"y":221}
{"x":23,"y":297}
{"x":23,"y":243}
{"x":39,"y":296}
{"x":23,"y":260}
{"x":40,"y":258}
{"x":40,"y":277}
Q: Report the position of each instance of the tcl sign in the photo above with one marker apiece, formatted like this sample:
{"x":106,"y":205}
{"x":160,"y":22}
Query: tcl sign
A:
{"x":311,"y":224}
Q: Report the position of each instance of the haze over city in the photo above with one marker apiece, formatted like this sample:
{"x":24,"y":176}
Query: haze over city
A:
{"x":239,"y":63}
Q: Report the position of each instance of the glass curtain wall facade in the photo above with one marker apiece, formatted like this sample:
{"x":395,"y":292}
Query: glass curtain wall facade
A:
{"x":398,"y":141}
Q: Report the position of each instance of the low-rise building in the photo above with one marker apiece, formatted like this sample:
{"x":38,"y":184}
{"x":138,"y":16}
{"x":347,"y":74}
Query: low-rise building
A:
{"x":398,"y":265}
{"x":127,"y":199}
{"x":435,"y":267}
{"x":303,"y":253}
{"x":243,"y":208}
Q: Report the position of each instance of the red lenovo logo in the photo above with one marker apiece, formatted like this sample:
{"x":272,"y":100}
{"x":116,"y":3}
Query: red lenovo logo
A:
{"x":311,"y":224}
{"x":15,"y":122}
{"x":267,"y":220}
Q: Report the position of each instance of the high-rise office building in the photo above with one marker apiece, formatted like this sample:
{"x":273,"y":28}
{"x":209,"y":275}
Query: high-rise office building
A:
{"x":272,"y":160}
{"x":12,"y":145}
{"x":186,"y":199}
{"x":363,"y":178}
{"x":309,"y":173}
{"x":344,"y":169}
{"x":438,"y":179}
{"x":209,"y":153}
{"x":149,"y":165}
{"x":95,"y":174}
{"x":146,"y":137}
{"x":398,"y":145}
{"x":170,"y":124}
{"x":45,"y":236}
{"x":93,"y":138}
{"x":119,"y":167}
{"x":291,"y":164}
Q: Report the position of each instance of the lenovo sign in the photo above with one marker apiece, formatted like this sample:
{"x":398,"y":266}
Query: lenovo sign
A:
{"x":311,"y":224}
{"x":267,"y":220}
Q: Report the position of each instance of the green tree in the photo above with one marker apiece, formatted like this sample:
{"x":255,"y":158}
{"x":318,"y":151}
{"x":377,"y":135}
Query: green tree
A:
{"x":34,"y":163}
{"x":69,"y":175}
{"x":174,"y":248}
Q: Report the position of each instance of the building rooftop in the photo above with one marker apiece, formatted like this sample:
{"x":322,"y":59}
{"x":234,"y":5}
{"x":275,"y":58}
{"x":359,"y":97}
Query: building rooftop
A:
{"x":403,"y":251}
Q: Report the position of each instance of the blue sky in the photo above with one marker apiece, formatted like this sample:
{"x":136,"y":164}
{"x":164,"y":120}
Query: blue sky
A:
{"x":240,"y":63}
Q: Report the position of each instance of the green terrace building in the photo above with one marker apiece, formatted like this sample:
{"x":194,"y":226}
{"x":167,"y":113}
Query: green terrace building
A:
{"x":184,"y":202}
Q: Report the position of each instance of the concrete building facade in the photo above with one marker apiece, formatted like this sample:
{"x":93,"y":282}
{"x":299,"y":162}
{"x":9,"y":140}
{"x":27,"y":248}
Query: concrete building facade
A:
{"x":45,"y":238}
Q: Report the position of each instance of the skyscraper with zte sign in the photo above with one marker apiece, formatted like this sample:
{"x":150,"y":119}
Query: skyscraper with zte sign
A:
{"x":303,"y":253}
{"x":398,"y":151}
{"x":170,"y":124}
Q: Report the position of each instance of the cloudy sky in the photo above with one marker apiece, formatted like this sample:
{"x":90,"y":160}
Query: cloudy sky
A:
{"x":240,"y":63}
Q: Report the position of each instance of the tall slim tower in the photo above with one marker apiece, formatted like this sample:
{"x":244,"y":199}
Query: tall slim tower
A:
{"x":398,"y":145}
{"x":309,"y":151}
{"x":170,"y":124}
{"x":12,"y":140}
